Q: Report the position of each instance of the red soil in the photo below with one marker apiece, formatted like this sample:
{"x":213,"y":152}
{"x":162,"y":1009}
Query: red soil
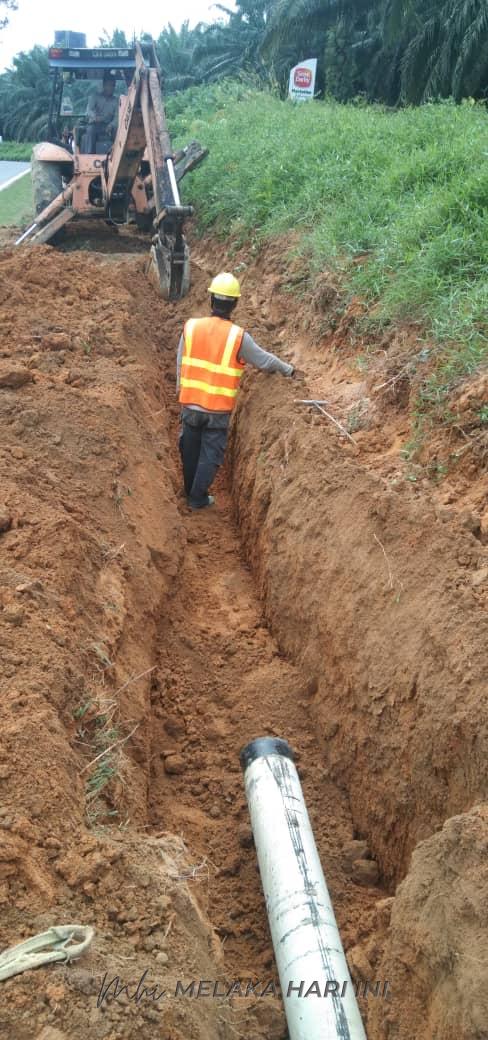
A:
{"x":345,"y":612}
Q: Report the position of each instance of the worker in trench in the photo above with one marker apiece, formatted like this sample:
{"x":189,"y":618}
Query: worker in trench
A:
{"x":102,"y":113}
{"x":212,"y":355}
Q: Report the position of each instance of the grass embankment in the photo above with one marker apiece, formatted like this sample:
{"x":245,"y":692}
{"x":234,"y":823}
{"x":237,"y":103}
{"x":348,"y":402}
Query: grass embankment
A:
{"x":396,"y":202}
{"x":16,"y":151}
{"x":16,"y":206}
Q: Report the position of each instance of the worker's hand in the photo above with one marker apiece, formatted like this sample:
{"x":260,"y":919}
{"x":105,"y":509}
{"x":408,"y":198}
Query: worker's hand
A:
{"x":298,"y":375}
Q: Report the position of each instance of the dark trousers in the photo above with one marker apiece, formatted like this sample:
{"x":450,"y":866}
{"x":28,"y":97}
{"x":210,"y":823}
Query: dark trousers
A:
{"x":93,"y":131}
{"x":203,"y":438}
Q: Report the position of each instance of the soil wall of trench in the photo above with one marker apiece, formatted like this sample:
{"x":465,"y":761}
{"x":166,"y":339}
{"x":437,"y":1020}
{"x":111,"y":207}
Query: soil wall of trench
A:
{"x":381,"y":596}
{"x":376,"y":597}
{"x":378,"y":609}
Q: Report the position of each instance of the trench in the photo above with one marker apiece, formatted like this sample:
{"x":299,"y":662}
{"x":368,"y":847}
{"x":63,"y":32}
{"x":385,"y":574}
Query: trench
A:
{"x":239,"y":651}
{"x":221,"y":681}
{"x":242,"y":647}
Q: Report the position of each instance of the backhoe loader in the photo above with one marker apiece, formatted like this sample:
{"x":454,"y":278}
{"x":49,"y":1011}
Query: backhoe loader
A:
{"x":133,"y":178}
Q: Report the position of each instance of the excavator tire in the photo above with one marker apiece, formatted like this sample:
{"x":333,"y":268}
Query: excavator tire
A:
{"x":143,"y":221}
{"x":47,"y":183}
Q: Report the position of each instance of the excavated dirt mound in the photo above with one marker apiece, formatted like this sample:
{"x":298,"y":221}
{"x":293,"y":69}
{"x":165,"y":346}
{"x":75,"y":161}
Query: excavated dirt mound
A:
{"x":137,"y":660}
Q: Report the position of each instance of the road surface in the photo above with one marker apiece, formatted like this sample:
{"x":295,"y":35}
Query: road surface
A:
{"x":11,"y":169}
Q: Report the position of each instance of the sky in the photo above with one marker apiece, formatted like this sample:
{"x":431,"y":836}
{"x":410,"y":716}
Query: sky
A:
{"x":36,"y":20}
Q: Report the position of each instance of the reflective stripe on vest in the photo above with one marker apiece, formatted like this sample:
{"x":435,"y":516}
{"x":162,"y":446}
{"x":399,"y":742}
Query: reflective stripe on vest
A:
{"x":210,"y":372}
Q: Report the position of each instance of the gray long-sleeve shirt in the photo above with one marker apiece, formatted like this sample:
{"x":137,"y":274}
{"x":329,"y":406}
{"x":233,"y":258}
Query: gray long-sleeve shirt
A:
{"x":249,"y":352}
{"x":103,"y":108}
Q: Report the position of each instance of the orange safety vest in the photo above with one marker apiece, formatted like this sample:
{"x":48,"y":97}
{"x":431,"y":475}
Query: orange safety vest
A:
{"x":210,"y":372}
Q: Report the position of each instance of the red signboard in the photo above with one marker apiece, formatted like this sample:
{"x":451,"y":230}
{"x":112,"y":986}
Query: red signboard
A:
{"x":302,"y":78}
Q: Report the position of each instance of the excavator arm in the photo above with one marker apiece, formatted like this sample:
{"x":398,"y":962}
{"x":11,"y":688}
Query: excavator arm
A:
{"x":142,"y":125}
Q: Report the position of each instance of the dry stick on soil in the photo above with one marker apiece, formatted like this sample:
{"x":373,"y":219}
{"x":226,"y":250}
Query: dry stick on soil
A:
{"x":287,"y":452}
{"x":108,"y":707}
{"x":471,"y":441}
{"x":169,"y":927}
{"x":111,"y":554}
{"x":134,"y":678}
{"x":394,"y":379}
{"x":461,"y":431}
{"x":194,"y":872}
{"x":123,"y":740}
{"x":331,"y":417}
{"x":386,"y":558}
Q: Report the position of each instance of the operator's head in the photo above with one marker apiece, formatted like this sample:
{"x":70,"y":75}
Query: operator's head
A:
{"x":224,"y":292}
{"x":108,"y":83}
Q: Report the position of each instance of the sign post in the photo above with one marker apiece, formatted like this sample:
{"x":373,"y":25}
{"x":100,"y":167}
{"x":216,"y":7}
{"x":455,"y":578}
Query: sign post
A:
{"x":302,"y":80}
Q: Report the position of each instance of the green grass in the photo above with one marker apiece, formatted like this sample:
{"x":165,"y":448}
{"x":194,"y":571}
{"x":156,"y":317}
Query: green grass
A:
{"x":16,"y":151}
{"x":395,"y":202}
{"x":16,"y":207}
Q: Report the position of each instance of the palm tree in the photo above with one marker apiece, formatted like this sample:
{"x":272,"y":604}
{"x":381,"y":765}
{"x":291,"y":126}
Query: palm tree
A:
{"x":342,"y":34}
{"x":228,"y":47}
{"x":176,"y":51}
{"x":447,"y":54}
{"x":389,"y":50}
{"x":24,"y":96}
{"x":8,"y":5}
{"x":117,"y":38}
{"x":289,"y":16}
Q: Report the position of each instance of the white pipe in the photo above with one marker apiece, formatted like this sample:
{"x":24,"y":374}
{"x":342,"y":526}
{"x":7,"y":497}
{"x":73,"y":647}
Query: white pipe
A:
{"x":306,"y":940}
{"x":172,"y":181}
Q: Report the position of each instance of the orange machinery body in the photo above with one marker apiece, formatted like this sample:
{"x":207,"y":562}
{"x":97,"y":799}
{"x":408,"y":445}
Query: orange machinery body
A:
{"x":137,"y":179}
{"x":88,"y":173}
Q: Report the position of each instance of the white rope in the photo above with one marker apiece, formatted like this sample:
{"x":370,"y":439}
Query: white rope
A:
{"x":46,"y":948}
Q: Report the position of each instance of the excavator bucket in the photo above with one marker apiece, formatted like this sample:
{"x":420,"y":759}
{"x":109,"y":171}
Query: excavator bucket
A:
{"x":170,"y":256}
{"x":170,"y":269}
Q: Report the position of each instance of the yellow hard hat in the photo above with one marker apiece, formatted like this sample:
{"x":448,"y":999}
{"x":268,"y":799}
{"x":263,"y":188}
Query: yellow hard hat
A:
{"x":224,"y":284}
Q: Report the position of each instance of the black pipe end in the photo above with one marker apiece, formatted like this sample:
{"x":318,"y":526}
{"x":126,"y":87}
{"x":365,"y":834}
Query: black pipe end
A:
{"x":262,"y":747}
